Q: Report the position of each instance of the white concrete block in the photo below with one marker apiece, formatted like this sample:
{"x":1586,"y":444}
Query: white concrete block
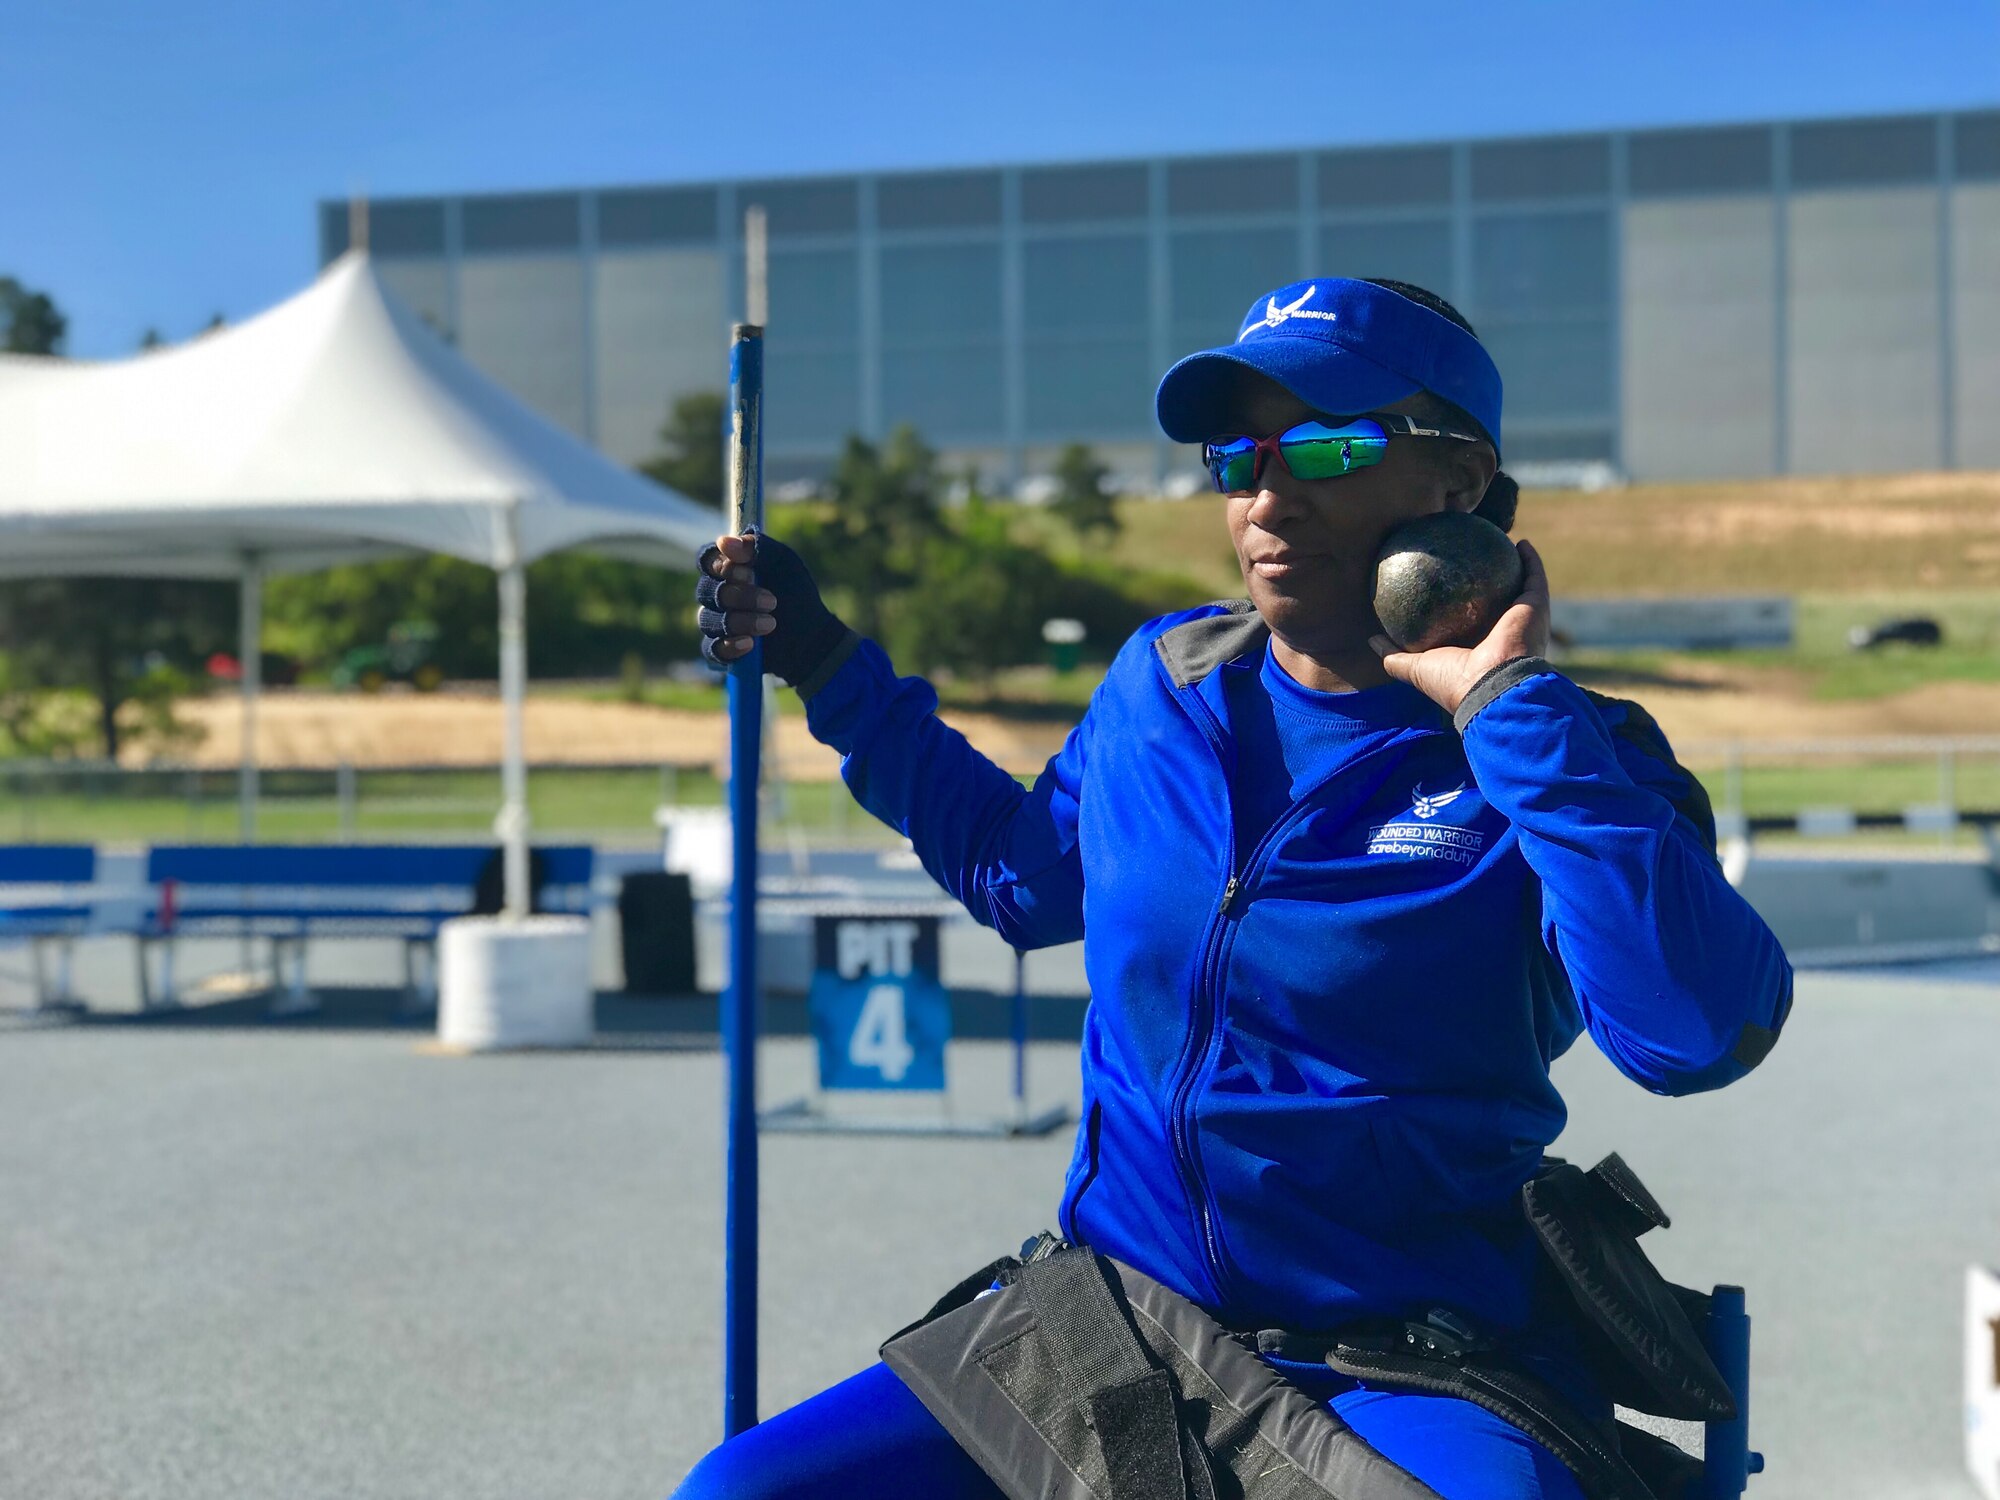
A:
{"x":522,"y":982}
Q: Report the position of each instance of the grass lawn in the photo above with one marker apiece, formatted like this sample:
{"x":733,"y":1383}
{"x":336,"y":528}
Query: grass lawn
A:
{"x":618,"y":805}
{"x":459,"y":805}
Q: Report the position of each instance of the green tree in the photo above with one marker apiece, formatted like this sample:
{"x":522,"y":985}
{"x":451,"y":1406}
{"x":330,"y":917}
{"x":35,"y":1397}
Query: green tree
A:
{"x":111,"y":637}
{"x":108,"y":637}
{"x":30,"y":321}
{"x":867,"y":544}
{"x":585,"y":613}
{"x":691,"y":448}
{"x":1082,"y":500}
{"x":979,"y":599}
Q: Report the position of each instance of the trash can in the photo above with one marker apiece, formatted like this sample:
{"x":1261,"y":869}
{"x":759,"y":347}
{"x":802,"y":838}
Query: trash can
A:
{"x":656,"y":932}
{"x":1065,"y":643}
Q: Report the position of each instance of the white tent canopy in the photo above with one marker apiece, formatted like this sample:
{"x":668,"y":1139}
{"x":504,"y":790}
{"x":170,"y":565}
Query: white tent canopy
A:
{"x":335,"y":427}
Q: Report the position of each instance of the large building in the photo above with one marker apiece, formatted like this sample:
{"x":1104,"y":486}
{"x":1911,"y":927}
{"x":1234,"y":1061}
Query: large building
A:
{"x":1812,"y":297}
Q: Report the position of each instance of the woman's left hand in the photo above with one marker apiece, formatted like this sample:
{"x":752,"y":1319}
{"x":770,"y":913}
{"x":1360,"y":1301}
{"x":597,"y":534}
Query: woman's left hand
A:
{"x":1445,"y":674}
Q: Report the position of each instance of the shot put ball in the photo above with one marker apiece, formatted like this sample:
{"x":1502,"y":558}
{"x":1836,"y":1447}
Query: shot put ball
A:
{"x":1444,"y":580}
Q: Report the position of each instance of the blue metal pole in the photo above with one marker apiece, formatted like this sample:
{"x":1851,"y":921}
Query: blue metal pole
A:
{"x":739,"y":1010}
{"x":1727,"y":1462}
{"x":1020,"y":1028}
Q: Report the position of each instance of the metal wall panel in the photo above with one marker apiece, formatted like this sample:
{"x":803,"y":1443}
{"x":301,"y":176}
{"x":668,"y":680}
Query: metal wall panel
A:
{"x":1388,"y":177}
{"x":937,"y":200}
{"x":522,"y":222}
{"x":660,"y":335}
{"x":631,"y":217}
{"x":822,"y":205}
{"x":1700,"y":357}
{"x":521,"y":321}
{"x":1067,"y":195}
{"x":941,"y":334}
{"x":1975,"y":263}
{"x":1862,"y":317}
{"x":424,"y":286}
{"x":1414,"y":250}
{"x":1207,"y":187}
{"x":1214,"y":274}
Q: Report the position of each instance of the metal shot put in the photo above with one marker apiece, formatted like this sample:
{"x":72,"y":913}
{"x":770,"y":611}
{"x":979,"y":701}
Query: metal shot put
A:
{"x":1352,"y":864}
{"x":1445,"y":580}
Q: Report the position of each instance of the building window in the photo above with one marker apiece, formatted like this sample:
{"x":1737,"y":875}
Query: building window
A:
{"x":938,"y":200}
{"x":950,"y":395}
{"x":1215,"y":273}
{"x":1097,"y":284}
{"x":523,"y":221}
{"x":1388,"y":178}
{"x":815,"y":297}
{"x":1062,"y":195}
{"x":655,"y":216}
{"x":1567,"y":167}
{"x":821,"y":206}
{"x":1976,"y":146}
{"x":1086,"y":353}
{"x":1089,"y":390}
{"x":941,"y":340}
{"x":1412,"y":250}
{"x":813,"y":348}
{"x":940,"y":293}
{"x":1841,"y":153}
{"x":1526,"y":265}
{"x":400,"y":227}
{"x":1232,"y":186}
{"x":1665,"y":162}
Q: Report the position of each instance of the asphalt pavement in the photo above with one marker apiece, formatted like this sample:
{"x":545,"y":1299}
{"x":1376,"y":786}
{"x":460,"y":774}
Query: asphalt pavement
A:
{"x":303,"y":1260}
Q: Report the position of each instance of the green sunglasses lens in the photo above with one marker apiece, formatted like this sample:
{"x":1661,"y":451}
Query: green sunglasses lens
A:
{"x":1314,"y":450}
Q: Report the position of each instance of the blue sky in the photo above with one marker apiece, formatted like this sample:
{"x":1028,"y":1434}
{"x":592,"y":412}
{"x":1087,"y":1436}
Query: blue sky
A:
{"x":162,"y":161}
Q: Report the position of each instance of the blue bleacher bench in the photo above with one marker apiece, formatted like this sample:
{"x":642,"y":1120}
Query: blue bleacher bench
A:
{"x":45,"y":897}
{"x":291,"y":894}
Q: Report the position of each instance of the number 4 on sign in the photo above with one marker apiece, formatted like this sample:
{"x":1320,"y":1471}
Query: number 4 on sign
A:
{"x":880,"y":1040}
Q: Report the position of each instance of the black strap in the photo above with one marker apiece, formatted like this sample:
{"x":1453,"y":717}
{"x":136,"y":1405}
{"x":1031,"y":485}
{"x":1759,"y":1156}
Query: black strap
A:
{"x":1128,"y":1401}
{"x":1526,"y":1401}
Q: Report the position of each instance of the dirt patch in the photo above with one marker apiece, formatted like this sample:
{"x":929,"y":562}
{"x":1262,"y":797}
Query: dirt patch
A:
{"x":1704,"y":702}
{"x":463,"y":728}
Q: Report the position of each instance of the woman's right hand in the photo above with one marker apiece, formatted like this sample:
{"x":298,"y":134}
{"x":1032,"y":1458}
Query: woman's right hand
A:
{"x":733,"y":610}
{"x":753,"y":587}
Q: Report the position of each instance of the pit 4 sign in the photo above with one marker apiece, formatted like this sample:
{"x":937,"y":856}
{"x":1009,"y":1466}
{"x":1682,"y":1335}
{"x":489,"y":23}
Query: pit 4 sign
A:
{"x":880,"y":1016}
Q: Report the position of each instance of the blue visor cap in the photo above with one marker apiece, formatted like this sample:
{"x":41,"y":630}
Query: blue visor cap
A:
{"x":1343,"y":347}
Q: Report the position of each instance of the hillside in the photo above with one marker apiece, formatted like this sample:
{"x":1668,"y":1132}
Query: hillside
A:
{"x":1849,"y":550}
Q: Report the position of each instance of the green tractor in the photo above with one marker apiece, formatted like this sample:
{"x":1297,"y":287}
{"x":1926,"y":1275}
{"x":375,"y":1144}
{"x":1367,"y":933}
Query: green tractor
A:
{"x":406,"y":657}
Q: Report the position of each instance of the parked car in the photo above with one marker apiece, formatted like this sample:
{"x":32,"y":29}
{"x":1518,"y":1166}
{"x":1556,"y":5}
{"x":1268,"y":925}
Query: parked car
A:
{"x":1917,"y":630}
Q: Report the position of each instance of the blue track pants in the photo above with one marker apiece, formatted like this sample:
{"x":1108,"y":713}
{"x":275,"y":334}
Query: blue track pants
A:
{"x":868,"y":1438}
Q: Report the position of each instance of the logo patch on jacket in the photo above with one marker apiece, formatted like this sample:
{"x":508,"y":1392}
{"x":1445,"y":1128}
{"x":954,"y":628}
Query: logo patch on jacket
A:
{"x":1421,"y":834}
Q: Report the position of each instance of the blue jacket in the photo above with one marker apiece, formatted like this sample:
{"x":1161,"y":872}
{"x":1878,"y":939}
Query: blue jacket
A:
{"x":1314,"y":1084}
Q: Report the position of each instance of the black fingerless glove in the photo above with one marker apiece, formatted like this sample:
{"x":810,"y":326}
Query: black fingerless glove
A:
{"x":810,"y":641}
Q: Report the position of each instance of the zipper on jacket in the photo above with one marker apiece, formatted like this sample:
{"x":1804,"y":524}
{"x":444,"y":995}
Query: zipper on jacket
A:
{"x":1207,"y":1006}
{"x":1201,"y":1032}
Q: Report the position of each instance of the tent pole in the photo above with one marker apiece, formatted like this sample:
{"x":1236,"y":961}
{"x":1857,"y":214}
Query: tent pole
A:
{"x":250,"y":656}
{"x":512,"y":824}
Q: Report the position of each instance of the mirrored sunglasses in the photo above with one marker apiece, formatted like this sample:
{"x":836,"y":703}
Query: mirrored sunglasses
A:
{"x":1313,"y":450}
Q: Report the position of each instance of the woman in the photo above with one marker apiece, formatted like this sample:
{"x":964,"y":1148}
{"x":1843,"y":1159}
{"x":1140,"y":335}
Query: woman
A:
{"x":1341,"y":905}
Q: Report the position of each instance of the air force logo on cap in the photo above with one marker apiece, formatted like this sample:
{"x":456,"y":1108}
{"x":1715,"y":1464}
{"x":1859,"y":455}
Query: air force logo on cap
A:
{"x":1275,"y":316}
